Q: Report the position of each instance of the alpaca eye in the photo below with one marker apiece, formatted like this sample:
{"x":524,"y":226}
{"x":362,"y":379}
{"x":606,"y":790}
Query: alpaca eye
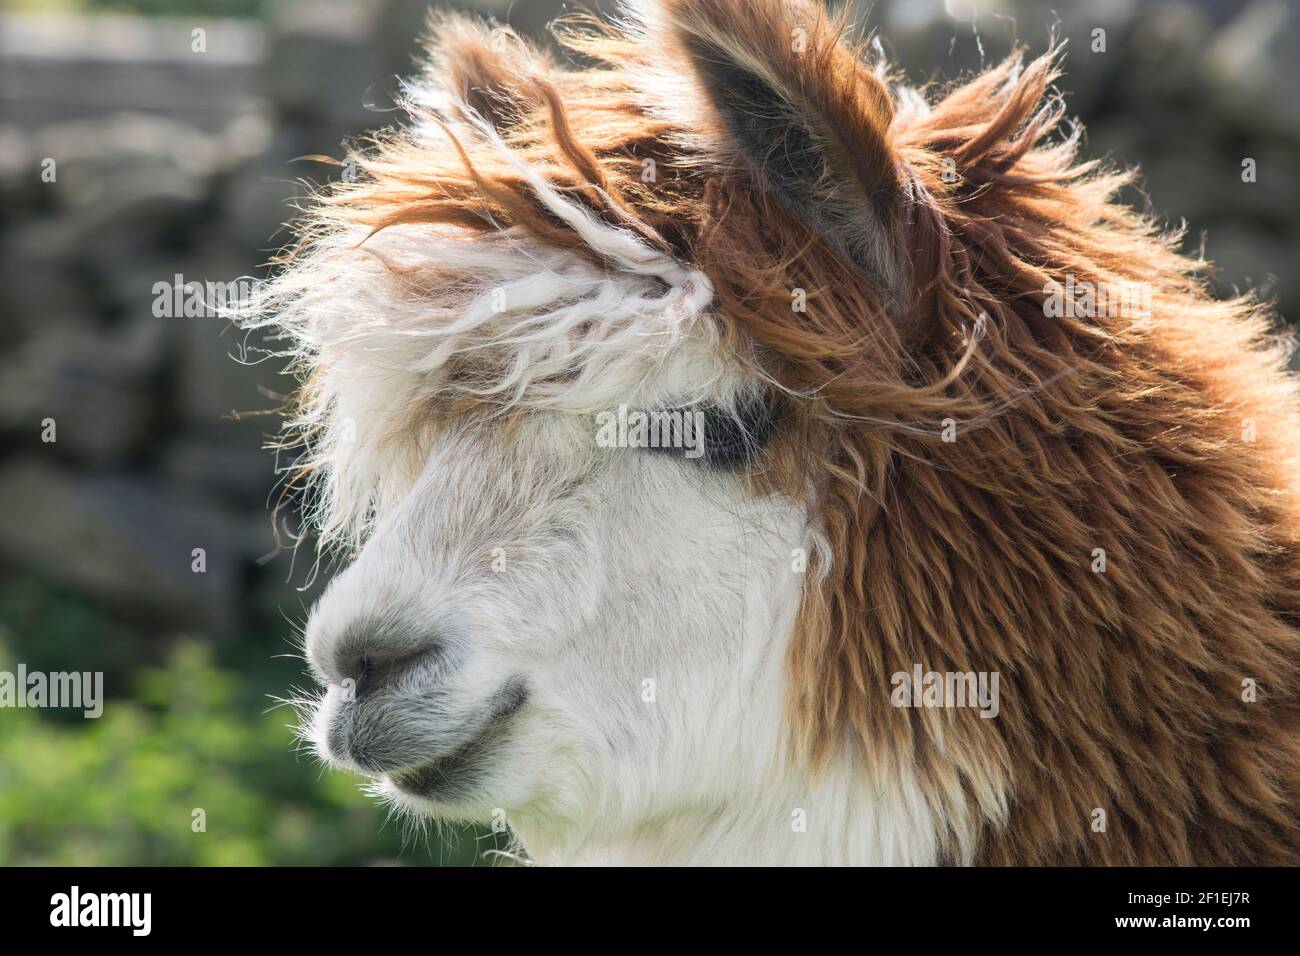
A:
{"x":732,"y":438}
{"x":723,"y":438}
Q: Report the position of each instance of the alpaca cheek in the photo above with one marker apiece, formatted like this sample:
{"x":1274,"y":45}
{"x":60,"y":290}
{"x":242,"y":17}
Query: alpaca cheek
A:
{"x":699,"y":610}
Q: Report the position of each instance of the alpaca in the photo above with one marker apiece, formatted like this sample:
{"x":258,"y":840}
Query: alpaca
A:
{"x":989,"y":549}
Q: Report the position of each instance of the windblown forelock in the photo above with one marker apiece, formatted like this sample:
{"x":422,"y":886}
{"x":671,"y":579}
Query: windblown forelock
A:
{"x":471,"y":270}
{"x":400,"y":329}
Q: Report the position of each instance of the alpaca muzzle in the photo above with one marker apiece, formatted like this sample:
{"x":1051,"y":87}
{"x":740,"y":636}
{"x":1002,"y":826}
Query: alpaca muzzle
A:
{"x":417,"y":718}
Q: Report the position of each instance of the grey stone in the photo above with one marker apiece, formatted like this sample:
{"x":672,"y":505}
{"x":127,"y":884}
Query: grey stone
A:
{"x":1245,"y":258}
{"x":1162,"y":57}
{"x":320,"y":62}
{"x":223,"y":462}
{"x":1188,"y":184}
{"x":226,"y":377}
{"x":56,"y":67}
{"x":117,"y":200}
{"x":41,"y":290}
{"x":129,"y":152}
{"x":258,"y":199}
{"x":126,"y":540}
{"x":1252,"y":67}
{"x":99,"y":388}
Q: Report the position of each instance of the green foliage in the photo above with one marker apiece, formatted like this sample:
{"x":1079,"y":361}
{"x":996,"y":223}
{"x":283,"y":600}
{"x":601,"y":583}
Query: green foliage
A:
{"x":122,"y":789}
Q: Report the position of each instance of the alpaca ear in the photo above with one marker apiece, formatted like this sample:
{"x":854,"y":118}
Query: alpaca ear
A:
{"x":805,"y":115}
{"x":487,"y":70}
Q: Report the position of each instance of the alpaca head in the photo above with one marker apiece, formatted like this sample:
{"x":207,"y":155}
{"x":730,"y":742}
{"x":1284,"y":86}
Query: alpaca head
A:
{"x":574,"y":574}
{"x":546,"y":615}
{"x":733,"y":235}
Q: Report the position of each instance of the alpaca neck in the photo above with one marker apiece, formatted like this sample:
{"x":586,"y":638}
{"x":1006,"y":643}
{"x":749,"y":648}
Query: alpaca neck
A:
{"x":840,"y":821}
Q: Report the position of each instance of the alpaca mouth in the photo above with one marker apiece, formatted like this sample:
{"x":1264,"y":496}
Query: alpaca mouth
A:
{"x":459,"y":773}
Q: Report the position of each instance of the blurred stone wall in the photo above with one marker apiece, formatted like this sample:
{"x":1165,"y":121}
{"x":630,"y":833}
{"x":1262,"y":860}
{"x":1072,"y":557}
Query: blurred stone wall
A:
{"x":173,"y":163}
{"x":170,"y":161}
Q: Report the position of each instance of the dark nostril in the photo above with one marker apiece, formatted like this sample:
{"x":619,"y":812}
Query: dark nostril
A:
{"x":372,"y":653}
{"x":365,"y":674}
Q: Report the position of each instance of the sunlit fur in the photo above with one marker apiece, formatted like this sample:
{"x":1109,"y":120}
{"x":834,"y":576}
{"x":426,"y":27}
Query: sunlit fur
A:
{"x":507,"y":267}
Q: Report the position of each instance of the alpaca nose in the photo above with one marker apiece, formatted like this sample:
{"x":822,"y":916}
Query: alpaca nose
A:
{"x":367,"y":659}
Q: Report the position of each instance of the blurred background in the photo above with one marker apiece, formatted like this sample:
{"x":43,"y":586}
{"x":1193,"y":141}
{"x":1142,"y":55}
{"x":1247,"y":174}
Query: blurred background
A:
{"x":176,"y":130}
